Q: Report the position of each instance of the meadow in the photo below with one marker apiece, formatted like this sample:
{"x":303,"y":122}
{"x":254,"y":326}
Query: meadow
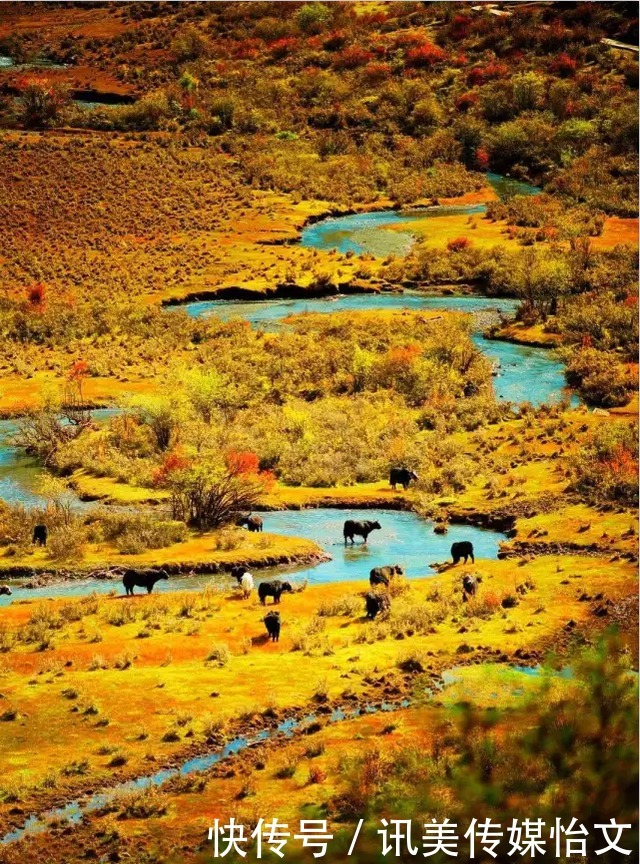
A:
{"x":214,"y":135}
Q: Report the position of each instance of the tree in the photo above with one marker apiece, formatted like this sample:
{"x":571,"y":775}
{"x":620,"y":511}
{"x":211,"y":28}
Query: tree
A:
{"x":313,"y":17}
{"x":205,"y":391}
{"x":161,"y":414}
{"x":59,"y":497}
{"x":43,"y":101}
{"x":528,"y":90}
{"x":539,"y":278}
{"x":189,"y":44}
{"x":45,"y":429}
{"x":206,"y":498}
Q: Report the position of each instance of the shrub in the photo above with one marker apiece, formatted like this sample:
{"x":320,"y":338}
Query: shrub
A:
{"x":425,"y":56}
{"x":67,"y":544}
{"x":352,"y":58}
{"x":313,"y":17}
{"x":458,"y":244}
{"x":219,"y":655}
{"x":607,"y":468}
{"x":145,"y":804}
{"x":600,"y":377}
{"x":43,"y":101}
{"x":347,"y":605}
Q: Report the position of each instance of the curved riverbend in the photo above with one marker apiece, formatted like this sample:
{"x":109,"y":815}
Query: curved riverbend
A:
{"x":20,"y":473}
{"x":369,"y":232}
{"x":404,"y":538}
{"x":524,"y":372}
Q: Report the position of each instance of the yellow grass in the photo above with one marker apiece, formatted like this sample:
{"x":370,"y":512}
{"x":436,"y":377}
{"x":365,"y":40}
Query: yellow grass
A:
{"x":209,"y":548}
{"x":169,"y":684}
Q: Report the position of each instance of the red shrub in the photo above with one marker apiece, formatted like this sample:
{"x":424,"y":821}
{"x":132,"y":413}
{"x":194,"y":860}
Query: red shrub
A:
{"x":376,"y":72}
{"x":172,"y":462}
{"x":564,"y":66}
{"x":78,"y":371}
{"x":242,"y":462}
{"x":408,"y":40}
{"x":491,"y":72}
{"x":36,"y":296}
{"x":283,"y":47}
{"x":482,"y":159}
{"x":335,"y":41}
{"x":425,"y":56}
{"x":353,"y":57}
{"x":458,"y":244}
{"x":459,"y":27}
{"x":247,"y":49}
{"x":466,"y":101}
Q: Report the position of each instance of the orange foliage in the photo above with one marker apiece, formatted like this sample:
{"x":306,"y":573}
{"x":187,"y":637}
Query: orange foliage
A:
{"x":623,"y":462}
{"x":172,"y":462}
{"x":457,"y":244}
{"x":242,"y":462}
{"x":78,"y":371}
{"x":425,"y":56}
{"x":36,"y":297}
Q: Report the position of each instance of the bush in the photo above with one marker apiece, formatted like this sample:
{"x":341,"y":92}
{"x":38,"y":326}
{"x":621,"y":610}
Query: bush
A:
{"x":135,"y":533}
{"x":607,"y":468}
{"x":600,"y":377}
{"x":219,"y":655}
{"x":67,"y":544}
{"x":457,"y":244}
{"x":425,"y":56}
{"x":313,"y":17}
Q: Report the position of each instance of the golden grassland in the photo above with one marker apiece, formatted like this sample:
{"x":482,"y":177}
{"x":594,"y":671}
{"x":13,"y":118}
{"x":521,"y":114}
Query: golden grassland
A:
{"x":529,"y":460}
{"x":116,"y":676}
{"x":217,"y":549}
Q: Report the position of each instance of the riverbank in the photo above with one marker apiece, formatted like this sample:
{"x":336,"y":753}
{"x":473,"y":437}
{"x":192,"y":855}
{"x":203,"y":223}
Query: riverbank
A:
{"x":201,"y":554}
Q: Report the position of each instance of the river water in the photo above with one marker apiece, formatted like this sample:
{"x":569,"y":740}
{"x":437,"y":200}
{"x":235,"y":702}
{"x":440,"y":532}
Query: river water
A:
{"x":404,"y":538}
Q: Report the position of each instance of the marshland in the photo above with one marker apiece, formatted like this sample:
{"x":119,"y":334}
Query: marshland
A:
{"x":260,"y":259}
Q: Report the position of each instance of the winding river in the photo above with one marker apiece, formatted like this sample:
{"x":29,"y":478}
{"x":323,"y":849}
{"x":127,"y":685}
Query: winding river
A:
{"x":522,"y":373}
{"x":404,"y":538}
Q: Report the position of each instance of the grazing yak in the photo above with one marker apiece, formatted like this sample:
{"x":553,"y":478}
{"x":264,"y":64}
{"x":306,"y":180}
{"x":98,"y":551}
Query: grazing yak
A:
{"x":469,"y":586}
{"x":376,"y":603}
{"x":131,"y":579}
{"x":39,"y":535}
{"x":272,"y":623}
{"x":382,"y":575}
{"x":246,"y":583}
{"x":244,"y":579}
{"x":361,"y":529}
{"x":4,"y":589}
{"x":273,"y":589}
{"x":463,"y":549}
{"x":403,"y":476}
{"x":253,"y":523}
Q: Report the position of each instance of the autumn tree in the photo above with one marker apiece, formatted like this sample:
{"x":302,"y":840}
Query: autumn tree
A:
{"x":206,"y":497}
{"x":43,"y":101}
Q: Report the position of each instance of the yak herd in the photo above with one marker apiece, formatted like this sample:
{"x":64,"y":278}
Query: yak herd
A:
{"x":377,"y":600}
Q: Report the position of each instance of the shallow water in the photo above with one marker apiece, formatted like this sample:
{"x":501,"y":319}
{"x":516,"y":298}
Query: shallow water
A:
{"x":20,"y":473}
{"x":266,"y":312}
{"x":7,"y":62}
{"x":74,"y":810}
{"x":404,"y":539}
{"x":369,"y":232}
